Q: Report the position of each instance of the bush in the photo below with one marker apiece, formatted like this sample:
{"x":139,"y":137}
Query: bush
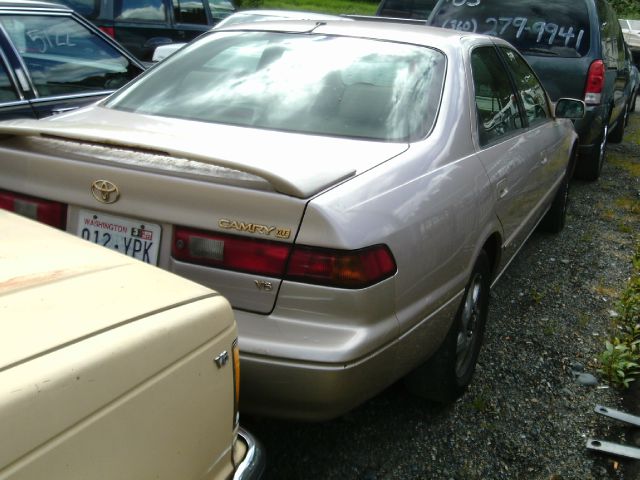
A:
{"x":620,"y":361}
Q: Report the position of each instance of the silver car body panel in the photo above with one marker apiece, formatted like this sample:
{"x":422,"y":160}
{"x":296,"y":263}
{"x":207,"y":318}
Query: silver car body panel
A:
{"x":309,"y":351}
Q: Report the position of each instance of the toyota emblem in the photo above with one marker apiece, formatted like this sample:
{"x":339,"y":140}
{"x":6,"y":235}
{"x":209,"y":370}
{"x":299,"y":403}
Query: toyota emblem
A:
{"x":105,"y":191}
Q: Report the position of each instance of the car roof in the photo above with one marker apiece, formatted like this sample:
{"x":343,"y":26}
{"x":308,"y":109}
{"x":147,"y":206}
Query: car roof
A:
{"x":35,"y":4}
{"x":440,"y":38}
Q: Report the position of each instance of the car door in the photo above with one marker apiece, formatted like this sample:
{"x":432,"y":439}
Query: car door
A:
{"x":66,"y":65}
{"x":13,"y":103}
{"x":511,"y":165}
{"x":540,"y":130}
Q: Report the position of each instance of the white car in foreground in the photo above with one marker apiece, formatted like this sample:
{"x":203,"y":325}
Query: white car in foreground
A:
{"x":111,"y":368}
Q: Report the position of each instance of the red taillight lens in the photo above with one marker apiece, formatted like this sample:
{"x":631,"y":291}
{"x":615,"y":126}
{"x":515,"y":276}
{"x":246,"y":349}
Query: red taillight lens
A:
{"x":45,"y":211}
{"x":230,"y":252}
{"x":339,"y":268}
{"x":595,"y":83}
{"x":335,"y":268}
{"x":109,"y":31}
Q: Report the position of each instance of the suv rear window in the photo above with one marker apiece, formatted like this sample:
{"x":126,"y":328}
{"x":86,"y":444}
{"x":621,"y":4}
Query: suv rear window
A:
{"x":558,"y":28}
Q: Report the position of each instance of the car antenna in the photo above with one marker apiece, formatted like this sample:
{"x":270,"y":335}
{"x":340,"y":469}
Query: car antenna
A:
{"x":318,"y":24}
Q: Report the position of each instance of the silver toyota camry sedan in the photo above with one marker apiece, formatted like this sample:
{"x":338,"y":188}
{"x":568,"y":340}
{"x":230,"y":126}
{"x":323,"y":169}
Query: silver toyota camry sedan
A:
{"x":353,"y":188}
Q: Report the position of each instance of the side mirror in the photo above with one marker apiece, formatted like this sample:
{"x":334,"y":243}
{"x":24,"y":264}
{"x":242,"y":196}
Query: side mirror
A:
{"x":569,"y":108}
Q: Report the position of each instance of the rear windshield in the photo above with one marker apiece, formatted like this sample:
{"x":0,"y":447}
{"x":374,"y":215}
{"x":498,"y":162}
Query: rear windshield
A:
{"x":536,"y":27}
{"x":318,"y":84}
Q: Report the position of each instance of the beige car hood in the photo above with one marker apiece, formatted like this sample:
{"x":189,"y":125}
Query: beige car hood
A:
{"x":294,"y":164}
{"x":56,"y":289}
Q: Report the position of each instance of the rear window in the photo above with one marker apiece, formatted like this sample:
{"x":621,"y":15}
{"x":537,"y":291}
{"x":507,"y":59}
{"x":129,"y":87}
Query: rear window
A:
{"x":317,"y":84}
{"x":86,"y":8}
{"x":145,"y":10}
{"x":557,"y":28}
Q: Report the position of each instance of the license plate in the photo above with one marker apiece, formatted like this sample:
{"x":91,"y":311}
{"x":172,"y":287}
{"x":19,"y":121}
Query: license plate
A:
{"x":134,"y":238}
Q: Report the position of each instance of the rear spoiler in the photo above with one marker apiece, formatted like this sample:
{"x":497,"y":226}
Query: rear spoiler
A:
{"x":277,"y":178}
{"x":371,"y":18}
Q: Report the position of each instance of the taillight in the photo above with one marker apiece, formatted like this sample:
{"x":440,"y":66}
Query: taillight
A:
{"x":109,"y":31}
{"x":235,"y":356}
{"x":45,"y":211}
{"x":339,"y":268}
{"x":230,"y":252}
{"x":595,"y":83}
{"x":336,"y":268}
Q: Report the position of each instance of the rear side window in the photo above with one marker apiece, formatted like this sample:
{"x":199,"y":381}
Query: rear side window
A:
{"x":86,"y":8}
{"x":7,"y":91}
{"x":145,"y":10}
{"x":497,"y":107}
{"x":189,"y":11}
{"x":64,"y":57}
{"x":529,"y":88}
{"x":539,"y":27}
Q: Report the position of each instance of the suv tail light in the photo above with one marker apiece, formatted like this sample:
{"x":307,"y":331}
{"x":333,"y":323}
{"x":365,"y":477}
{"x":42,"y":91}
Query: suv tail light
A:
{"x":336,"y":268}
{"x":109,"y":31}
{"x":45,"y":211}
{"x":595,"y":83}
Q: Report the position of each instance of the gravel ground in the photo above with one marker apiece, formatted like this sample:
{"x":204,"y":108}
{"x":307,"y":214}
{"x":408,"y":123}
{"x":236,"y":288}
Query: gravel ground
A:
{"x":525,"y":416}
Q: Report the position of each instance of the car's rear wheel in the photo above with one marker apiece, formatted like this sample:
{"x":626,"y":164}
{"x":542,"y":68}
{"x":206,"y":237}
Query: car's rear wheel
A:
{"x":447,"y":374}
{"x":590,"y":162}
{"x":618,"y":131}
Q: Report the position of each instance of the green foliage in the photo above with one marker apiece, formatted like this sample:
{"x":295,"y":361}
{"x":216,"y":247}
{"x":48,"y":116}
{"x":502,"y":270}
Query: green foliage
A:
{"x":336,"y":7}
{"x":248,"y":4}
{"x":620,"y":361}
{"x":626,"y":8}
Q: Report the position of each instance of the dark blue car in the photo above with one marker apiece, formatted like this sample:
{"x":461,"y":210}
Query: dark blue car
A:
{"x":52,"y":60}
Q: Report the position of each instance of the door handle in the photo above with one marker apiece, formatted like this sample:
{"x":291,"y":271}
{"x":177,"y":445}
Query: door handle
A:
{"x":62,"y":109}
{"x":502,"y":188}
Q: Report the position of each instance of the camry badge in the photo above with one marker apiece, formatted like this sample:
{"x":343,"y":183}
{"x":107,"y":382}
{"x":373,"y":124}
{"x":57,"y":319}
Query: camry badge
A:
{"x":105,"y":191}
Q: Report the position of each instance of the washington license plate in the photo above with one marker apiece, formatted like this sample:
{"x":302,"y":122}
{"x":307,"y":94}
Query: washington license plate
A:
{"x":135,"y":238}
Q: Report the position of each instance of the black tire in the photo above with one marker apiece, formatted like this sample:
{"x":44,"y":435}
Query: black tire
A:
{"x":618,"y":131}
{"x":447,"y":374}
{"x":555,"y":218}
{"x":590,"y":162}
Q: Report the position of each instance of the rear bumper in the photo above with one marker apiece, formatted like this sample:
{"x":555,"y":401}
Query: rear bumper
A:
{"x":312,"y":392}
{"x":253,"y":465}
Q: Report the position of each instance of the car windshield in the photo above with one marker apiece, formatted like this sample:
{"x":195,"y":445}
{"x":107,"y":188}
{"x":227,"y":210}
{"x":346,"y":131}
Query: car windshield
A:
{"x":558,"y":28}
{"x":317,"y":84}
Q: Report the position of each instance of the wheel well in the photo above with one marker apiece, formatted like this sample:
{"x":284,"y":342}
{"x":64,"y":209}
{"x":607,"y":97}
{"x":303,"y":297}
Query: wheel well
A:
{"x":492,"y":247}
{"x":573,"y":160}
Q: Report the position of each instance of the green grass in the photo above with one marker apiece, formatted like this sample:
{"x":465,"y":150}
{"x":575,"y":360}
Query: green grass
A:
{"x":352,"y":7}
